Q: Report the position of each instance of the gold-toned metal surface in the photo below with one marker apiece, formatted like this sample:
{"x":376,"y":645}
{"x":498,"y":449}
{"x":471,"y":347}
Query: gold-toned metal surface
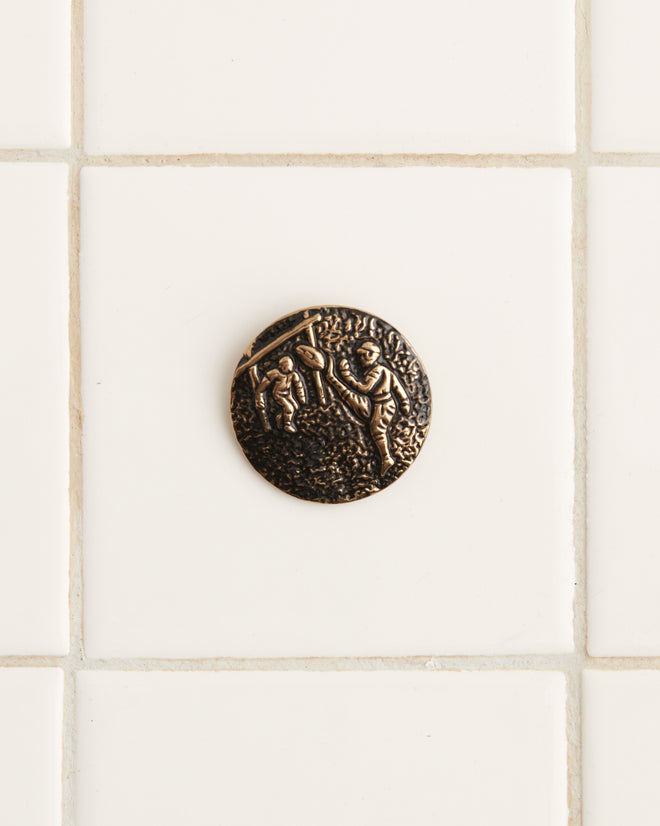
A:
{"x":330,"y":404}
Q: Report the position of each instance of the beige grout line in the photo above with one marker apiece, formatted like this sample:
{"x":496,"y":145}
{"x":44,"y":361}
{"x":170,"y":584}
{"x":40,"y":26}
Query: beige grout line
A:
{"x":331,"y":160}
{"x":524,"y":662}
{"x":521,"y":161}
{"x":76,"y":652}
{"x":574,"y":700}
{"x":75,"y":656}
{"x":293,"y":159}
{"x":622,"y":663}
{"x":574,"y":677}
{"x":430,"y":662}
{"x":32,"y":661}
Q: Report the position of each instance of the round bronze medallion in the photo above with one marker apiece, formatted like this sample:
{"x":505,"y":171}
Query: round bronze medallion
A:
{"x":330,"y":404}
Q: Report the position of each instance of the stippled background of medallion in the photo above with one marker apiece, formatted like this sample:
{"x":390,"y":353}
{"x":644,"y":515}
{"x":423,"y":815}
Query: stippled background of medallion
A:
{"x":331,"y":404}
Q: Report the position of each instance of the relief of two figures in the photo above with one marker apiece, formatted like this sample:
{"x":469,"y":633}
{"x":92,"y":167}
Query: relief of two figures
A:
{"x":372,"y":400}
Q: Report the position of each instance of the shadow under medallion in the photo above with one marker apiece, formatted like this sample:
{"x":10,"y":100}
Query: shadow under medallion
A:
{"x":330,"y":404}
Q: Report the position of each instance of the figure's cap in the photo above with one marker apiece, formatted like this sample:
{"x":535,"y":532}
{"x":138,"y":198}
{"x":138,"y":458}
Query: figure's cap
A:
{"x":369,"y":347}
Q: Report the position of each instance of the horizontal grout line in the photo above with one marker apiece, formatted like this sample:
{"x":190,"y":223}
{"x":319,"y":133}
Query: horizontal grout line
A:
{"x":332,"y":160}
{"x":495,"y":662}
{"x":33,"y":661}
{"x":531,"y":161}
{"x":284,"y":159}
{"x":624,"y":159}
{"x":429,"y":663}
{"x":622,"y":663}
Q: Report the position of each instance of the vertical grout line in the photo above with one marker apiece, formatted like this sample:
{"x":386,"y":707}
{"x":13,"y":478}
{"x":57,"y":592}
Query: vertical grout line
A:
{"x":574,"y":710}
{"x":75,"y":655}
{"x":76,"y":646}
{"x":77,"y":78}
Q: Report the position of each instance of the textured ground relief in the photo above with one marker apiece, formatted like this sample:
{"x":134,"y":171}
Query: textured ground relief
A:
{"x":330,"y":404}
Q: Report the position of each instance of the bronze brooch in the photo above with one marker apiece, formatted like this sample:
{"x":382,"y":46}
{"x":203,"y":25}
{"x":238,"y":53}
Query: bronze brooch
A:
{"x":330,"y":404}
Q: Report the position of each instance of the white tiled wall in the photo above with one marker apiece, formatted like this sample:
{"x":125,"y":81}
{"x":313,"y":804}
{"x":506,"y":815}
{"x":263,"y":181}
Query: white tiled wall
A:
{"x":34,"y":73}
{"x":624,"y":404}
{"x":330,"y":749}
{"x":34,"y":426}
{"x":347,"y":76}
{"x":621,"y":748}
{"x":626,"y":67}
{"x":31,"y":745}
{"x":478,"y":643}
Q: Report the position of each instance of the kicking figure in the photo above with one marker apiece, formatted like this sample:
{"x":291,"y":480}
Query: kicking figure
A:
{"x":379,"y":385}
{"x":284,"y":381}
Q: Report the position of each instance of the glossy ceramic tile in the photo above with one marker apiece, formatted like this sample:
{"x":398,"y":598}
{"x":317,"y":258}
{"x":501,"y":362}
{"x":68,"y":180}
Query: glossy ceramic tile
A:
{"x":30,"y":746}
{"x":188,"y":552}
{"x":351,"y":76}
{"x":621,"y":748}
{"x":34,"y":432}
{"x":625,"y":69}
{"x":329,"y":749}
{"x":34,"y":73}
{"x":624,"y":406}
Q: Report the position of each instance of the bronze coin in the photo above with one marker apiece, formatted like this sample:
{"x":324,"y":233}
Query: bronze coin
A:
{"x":330,"y":404}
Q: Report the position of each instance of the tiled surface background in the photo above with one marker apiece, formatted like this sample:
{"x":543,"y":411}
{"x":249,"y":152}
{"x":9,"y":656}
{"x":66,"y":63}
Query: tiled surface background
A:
{"x":478,"y":643}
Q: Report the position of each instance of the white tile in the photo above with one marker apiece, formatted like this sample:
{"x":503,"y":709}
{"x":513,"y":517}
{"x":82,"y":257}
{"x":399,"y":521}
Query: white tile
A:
{"x":625,"y":71}
{"x":34,"y":73}
{"x":621,"y":748}
{"x":469,"y":552}
{"x":350,"y":76}
{"x":30,"y":746}
{"x":624,"y":409}
{"x":290,"y":749}
{"x":34,"y":373}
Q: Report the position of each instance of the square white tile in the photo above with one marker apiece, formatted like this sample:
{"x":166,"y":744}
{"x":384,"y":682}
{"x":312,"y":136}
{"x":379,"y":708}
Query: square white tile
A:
{"x":34,"y":419}
{"x":621,"y":734}
{"x":35,"y":73}
{"x":290,"y":749}
{"x":30,"y":746}
{"x":188,"y":552}
{"x":624,"y":408}
{"x":625,"y":71}
{"x":351,"y":76}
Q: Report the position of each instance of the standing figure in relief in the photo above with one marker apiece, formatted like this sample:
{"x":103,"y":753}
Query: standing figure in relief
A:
{"x":288,"y":391}
{"x":380,"y":386}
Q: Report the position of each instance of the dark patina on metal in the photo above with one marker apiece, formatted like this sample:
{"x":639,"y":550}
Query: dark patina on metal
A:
{"x":330,"y":404}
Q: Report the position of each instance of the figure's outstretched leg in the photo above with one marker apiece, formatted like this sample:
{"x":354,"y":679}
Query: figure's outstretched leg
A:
{"x":359,"y":405}
{"x":378,"y":427}
{"x":288,"y":409}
